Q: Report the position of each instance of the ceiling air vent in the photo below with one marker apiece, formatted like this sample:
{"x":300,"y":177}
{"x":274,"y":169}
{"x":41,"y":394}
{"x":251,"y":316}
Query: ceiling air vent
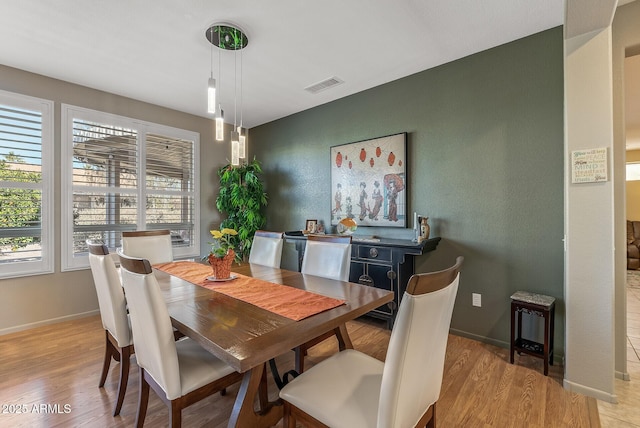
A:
{"x":325,"y":84}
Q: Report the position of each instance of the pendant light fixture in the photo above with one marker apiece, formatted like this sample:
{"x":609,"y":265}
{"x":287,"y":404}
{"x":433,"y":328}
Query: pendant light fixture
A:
{"x":242,"y":139}
{"x":211,"y":88}
{"x":235,"y":136}
{"x":220,"y":125}
{"x":226,"y":37}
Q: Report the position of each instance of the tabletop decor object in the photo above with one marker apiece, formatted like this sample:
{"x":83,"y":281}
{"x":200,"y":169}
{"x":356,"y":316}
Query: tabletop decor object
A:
{"x":346,"y":226}
{"x":222,"y":252}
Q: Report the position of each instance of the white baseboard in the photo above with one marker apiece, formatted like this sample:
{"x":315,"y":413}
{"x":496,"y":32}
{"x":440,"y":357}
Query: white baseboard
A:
{"x":623,"y":376}
{"x":23,"y":327}
{"x":585,"y":390}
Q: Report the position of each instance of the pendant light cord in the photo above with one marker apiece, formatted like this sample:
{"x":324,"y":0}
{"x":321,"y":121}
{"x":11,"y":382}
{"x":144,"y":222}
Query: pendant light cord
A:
{"x":235,"y":85}
{"x":241,"y":99}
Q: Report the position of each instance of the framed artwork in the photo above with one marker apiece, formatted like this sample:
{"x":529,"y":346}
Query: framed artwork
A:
{"x":311,"y":226}
{"x":368,"y":181}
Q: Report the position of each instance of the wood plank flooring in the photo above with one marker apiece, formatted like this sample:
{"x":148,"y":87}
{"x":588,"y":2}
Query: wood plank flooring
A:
{"x":51,"y":373}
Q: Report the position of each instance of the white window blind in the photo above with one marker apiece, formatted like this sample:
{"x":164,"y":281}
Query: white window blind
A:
{"x":127,"y":175}
{"x":26,"y":182}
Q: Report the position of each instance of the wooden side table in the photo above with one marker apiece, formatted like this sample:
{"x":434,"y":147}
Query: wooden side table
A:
{"x":538,"y":305}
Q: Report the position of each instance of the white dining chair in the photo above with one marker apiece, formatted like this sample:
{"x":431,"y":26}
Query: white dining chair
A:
{"x":352,"y":389}
{"x":328,"y":257}
{"x":153,"y":245}
{"x":180,"y":372}
{"x":266,"y":249}
{"x":113,"y":312}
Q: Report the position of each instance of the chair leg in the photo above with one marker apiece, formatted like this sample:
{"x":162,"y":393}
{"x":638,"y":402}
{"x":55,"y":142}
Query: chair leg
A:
{"x":175,"y":415}
{"x":432,"y":421}
{"x":108,"y":352}
{"x":143,"y":400}
{"x":125,"y":360}
{"x":341,"y":334}
{"x":288,"y":420}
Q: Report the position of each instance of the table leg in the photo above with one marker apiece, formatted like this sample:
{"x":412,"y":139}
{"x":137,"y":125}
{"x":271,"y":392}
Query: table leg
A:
{"x":243,"y":414}
{"x":551,"y":327}
{"x":545,"y":352}
{"x":513,"y":332}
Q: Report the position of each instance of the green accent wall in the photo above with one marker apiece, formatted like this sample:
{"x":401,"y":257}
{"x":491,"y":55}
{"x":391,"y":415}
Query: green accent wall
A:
{"x":485,"y":164}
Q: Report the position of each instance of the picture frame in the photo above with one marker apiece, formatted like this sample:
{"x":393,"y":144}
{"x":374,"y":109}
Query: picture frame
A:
{"x":311,"y":226}
{"x":369,"y":181}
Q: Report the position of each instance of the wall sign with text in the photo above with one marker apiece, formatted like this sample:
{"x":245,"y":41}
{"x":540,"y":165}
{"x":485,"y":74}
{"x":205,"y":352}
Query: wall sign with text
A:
{"x":589,"y":166}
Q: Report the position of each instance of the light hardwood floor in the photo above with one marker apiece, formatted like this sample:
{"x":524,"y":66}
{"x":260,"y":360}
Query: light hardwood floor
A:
{"x":626,"y":413}
{"x":60,"y":365}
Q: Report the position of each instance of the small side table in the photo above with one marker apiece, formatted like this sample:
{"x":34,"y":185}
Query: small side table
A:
{"x":538,"y":305}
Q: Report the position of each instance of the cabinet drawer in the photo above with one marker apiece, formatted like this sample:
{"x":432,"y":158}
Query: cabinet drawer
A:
{"x":374,"y":253}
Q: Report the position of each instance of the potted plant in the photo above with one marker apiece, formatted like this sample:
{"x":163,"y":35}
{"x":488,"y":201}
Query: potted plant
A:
{"x":242,"y":198}
{"x":222,"y":252}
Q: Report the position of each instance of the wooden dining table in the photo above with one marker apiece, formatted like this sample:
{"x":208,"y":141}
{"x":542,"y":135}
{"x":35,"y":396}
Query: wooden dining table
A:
{"x":247,"y":337}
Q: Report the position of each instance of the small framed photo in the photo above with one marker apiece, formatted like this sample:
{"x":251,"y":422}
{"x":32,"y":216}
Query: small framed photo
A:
{"x":311,"y":226}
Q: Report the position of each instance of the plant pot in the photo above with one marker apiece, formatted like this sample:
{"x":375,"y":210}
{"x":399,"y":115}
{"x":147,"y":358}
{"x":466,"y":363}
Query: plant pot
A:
{"x":221,"y":266}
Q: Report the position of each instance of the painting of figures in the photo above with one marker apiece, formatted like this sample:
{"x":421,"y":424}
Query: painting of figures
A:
{"x":368,"y":182}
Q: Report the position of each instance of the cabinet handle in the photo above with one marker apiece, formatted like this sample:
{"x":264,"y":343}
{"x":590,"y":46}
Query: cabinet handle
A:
{"x":365,"y":280}
{"x":373,"y":253}
{"x":391,"y":275}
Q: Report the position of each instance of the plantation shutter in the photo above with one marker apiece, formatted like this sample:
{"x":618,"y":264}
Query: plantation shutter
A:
{"x":104,"y":183}
{"x":25,"y":183}
{"x":170,"y":186}
{"x":126,"y":175}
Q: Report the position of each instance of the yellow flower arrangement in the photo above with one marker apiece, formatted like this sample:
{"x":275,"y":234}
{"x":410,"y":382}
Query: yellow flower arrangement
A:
{"x":221,"y":243}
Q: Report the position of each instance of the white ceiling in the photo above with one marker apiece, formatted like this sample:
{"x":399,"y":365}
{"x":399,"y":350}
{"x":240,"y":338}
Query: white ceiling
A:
{"x":156,"y":51}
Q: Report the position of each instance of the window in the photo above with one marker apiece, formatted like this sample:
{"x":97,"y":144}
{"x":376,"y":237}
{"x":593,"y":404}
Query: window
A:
{"x":633,"y":171}
{"x":26,"y":182}
{"x":121,"y":174}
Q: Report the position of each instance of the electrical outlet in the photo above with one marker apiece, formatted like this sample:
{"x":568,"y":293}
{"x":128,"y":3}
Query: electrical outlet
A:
{"x":476,"y":299}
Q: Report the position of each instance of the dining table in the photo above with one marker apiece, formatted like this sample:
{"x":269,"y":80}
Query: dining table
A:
{"x":242,"y":322}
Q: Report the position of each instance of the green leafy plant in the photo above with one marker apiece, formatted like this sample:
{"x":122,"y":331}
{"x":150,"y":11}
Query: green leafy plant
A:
{"x":242,"y":198}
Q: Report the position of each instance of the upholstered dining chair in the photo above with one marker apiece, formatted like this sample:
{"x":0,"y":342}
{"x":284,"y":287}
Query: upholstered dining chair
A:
{"x":153,"y":245}
{"x":329,"y":257}
{"x":351,"y":389}
{"x":180,"y":372}
{"x":266,"y":248}
{"x":113,"y":311}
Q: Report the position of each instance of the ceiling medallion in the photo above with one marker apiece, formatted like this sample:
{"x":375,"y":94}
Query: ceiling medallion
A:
{"x":227,"y":37}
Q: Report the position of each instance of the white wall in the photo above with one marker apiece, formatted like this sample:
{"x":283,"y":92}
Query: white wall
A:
{"x":589,"y":224}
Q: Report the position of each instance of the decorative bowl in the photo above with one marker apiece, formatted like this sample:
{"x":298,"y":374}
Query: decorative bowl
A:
{"x":346,"y":226}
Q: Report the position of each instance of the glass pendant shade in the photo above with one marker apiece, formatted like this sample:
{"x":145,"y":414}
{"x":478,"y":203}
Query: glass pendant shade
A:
{"x":211,"y":96}
{"x":235,"y":158}
{"x":243,"y":144}
{"x":220,"y":126}
{"x":235,"y":137}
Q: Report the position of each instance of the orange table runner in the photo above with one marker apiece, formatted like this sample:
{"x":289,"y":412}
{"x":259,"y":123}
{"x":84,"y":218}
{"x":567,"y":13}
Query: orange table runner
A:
{"x":289,"y":302}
